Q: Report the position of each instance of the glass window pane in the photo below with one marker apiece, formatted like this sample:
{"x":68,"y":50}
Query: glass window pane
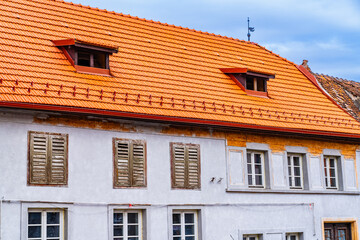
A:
{"x":249,"y":83}
{"x":297,"y":171}
{"x":298,"y":181}
{"x":250,"y":180}
{"x":333,"y":182}
{"x":257,"y":158}
{"x":249,"y":170}
{"x":296,"y":161}
{"x":133,"y":230}
{"x":133,"y":238}
{"x":118,"y":238}
{"x":53,"y":231}
{"x":118,"y":218}
{"x":53,"y":218}
{"x":261,"y":84}
{"x":176,"y":238}
{"x":332,"y":172}
{"x":258,"y":180}
{"x":290,"y":181}
{"x":189,"y":229}
{"x":258,"y":169}
{"x":118,"y":231}
{"x":34,"y":231}
{"x":190,"y":238}
{"x":248,"y":157}
{"x":176,"y":230}
{"x":132,"y":217}
{"x":332,"y":162}
{"x":176,"y":218}
{"x":100,"y":60}
{"x":84,"y":58}
{"x":34,"y":218}
{"x":189,"y":218}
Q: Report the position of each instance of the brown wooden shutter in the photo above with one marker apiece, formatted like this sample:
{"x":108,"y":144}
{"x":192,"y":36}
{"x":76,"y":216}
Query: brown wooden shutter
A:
{"x":193,"y":157}
{"x":121,"y":163}
{"x":185,"y":165}
{"x":38,"y":155}
{"x":138,"y":169}
{"x":58,"y":159}
{"x":178,"y":166}
{"x":47,"y":158}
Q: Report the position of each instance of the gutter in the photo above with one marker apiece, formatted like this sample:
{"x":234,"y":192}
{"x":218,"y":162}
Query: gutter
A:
{"x":195,"y":121}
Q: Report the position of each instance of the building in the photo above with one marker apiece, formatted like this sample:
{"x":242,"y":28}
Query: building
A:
{"x":116,"y":127}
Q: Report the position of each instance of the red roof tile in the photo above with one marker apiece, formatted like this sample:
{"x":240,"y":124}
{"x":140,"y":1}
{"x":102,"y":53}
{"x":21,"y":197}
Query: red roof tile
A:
{"x":160,"y":70}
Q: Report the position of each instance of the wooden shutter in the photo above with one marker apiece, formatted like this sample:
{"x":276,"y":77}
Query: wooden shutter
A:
{"x":185,"y":165}
{"x":193,"y":165}
{"x":58,"y":159}
{"x":178,"y":166}
{"x":138,"y":169}
{"x":38,"y":155}
{"x":129,"y":163}
{"x":47,"y":158}
{"x":122,"y":163}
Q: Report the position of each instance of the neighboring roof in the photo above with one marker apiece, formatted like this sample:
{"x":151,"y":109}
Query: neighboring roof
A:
{"x":345,"y":92}
{"x":160,"y":72}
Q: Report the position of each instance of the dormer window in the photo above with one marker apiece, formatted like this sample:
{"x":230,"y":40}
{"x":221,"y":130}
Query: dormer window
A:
{"x":86,"y":57}
{"x":253,"y":83}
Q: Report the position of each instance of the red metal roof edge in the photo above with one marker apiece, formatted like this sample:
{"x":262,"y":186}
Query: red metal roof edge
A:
{"x":171,"y":119}
{"x":312,"y":79}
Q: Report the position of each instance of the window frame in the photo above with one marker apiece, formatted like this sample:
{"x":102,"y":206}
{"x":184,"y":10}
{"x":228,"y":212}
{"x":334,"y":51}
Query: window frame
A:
{"x":326,"y":172}
{"x":263,"y":169}
{"x":131,"y":142}
{"x":248,"y":236}
{"x":140,"y":223}
{"x":291,"y":177}
{"x":186,"y":176}
{"x":44,"y":225}
{"x":66,"y":160}
{"x":182,"y":224}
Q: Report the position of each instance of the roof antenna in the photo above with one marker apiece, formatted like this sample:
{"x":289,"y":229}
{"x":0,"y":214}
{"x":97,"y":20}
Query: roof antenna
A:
{"x":250,"y":29}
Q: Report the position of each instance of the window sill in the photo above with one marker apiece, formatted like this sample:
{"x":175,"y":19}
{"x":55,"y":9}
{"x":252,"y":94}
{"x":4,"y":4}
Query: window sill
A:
{"x":92,"y":70}
{"x":293,"y":191}
{"x":256,"y":93}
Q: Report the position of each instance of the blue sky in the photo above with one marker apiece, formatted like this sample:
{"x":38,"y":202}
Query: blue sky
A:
{"x":325,"y":32}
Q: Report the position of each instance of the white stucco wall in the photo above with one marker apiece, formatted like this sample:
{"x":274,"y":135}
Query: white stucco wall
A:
{"x":89,"y":196}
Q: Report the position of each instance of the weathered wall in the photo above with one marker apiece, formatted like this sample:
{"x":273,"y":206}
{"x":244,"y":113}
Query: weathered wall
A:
{"x":90,"y":193}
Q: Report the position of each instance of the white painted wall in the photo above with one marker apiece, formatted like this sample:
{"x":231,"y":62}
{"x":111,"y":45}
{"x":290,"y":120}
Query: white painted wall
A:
{"x":89,"y":196}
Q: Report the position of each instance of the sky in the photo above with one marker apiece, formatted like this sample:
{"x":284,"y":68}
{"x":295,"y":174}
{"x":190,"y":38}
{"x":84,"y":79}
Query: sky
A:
{"x":325,"y":32}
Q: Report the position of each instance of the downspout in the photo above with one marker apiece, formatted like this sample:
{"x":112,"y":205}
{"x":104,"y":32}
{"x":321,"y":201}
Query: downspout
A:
{"x":1,"y":201}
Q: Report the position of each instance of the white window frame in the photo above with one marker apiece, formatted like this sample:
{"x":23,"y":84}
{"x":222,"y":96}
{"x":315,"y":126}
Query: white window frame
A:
{"x":125,"y":223}
{"x":253,"y":175}
{"x":182,"y":223}
{"x":292,"y":171}
{"x":250,"y":236}
{"x":327,"y":176}
{"x":289,"y":235}
{"x":44,"y":223}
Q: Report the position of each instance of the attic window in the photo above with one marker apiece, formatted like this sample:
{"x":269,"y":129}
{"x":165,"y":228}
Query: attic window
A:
{"x":86,"y":57}
{"x":251,"y":82}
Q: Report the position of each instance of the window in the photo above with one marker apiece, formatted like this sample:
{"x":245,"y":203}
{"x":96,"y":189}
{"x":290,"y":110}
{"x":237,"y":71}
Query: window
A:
{"x":295,"y":171}
{"x":255,"y":169}
{"x":127,"y":225}
{"x":331,"y":172}
{"x":129,"y":163}
{"x":184,"y":225}
{"x":48,"y":156}
{"x":255,"y":83}
{"x":87,"y":57}
{"x":45,"y":224}
{"x":251,"y":237}
{"x":292,"y":236}
{"x":185,"y":165}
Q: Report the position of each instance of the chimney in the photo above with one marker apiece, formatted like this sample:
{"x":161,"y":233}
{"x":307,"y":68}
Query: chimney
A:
{"x":305,"y":65}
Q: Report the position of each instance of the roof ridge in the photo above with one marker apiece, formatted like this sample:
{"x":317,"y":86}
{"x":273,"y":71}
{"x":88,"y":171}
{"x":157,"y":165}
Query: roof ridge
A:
{"x":152,"y":21}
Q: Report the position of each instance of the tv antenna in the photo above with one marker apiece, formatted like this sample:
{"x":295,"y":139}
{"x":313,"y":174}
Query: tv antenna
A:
{"x":250,"y":29}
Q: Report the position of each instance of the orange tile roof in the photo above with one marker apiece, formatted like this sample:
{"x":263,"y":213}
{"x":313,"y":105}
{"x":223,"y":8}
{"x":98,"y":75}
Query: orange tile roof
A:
{"x":160,"y":70}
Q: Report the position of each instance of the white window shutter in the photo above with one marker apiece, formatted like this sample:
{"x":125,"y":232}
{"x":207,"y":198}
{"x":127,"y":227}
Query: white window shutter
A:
{"x":236,"y":167}
{"x":278,"y":171}
{"x":38,"y":154}
{"x":58,"y":159}
{"x":316,"y":173}
{"x":350,"y":175}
